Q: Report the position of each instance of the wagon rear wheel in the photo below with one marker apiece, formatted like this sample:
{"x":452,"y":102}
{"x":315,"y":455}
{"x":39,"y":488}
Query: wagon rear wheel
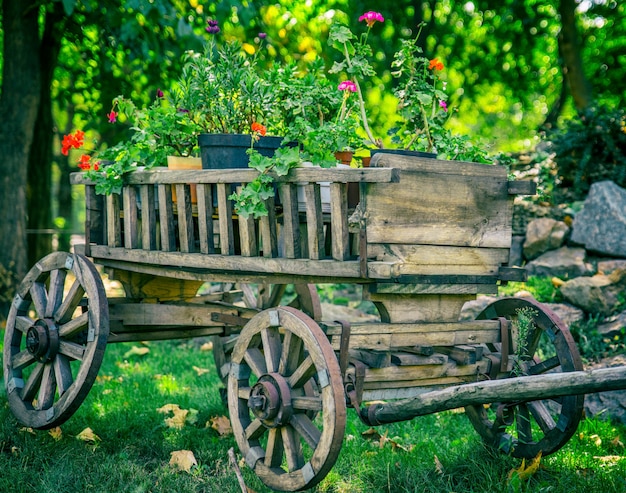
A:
{"x":544,"y":345}
{"x":55,"y":338}
{"x":262,"y":296}
{"x":289,"y":435}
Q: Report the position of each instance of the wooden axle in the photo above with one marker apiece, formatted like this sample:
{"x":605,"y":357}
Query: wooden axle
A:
{"x":519,"y":389}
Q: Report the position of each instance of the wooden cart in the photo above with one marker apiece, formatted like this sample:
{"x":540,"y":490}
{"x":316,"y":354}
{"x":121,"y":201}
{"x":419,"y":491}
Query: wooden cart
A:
{"x":425,"y":237}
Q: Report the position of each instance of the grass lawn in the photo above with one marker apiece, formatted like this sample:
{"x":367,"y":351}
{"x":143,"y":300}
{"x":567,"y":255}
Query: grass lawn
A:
{"x":434,"y":453}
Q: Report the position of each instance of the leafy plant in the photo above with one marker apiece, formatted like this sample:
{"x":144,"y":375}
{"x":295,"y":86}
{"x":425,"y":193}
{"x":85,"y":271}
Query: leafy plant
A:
{"x":590,"y":148}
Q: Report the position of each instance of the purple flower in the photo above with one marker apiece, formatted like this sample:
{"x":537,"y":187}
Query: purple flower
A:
{"x":262,"y":35}
{"x":159,"y":93}
{"x":182,"y":110}
{"x":443,"y":105}
{"x":212,"y":27}
{"x":347,"y":85}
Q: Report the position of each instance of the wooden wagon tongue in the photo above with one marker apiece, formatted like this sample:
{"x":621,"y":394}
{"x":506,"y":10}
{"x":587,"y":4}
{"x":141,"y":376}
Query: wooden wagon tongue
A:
{"x":518,"y":389}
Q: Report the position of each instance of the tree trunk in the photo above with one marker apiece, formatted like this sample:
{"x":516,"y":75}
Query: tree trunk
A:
{"x":39,"y":190}
{"x":19,"y":105}
{"x":569,"y":47}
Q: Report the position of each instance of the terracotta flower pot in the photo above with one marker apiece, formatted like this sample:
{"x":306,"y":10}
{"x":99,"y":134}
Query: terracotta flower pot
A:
{"x":184,"y":162}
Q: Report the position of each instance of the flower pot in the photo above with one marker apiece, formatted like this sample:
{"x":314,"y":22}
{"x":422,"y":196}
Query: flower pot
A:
{"x":344,"y":157}
{"x":183,"y":162}
{"x":223,"y":151}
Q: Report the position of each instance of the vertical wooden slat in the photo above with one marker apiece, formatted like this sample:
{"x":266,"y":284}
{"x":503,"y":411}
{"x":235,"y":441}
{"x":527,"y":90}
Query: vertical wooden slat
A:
{"x":114,"y":230}
{"x":314,"y":221}
{"x":148,"y":217}
{"x":339,"y":220}
{"x":247,"y":234}
{"x":166,"y":218}
{"x":95,"y":217}
{"x":185,"y":218}
{"x":267,"y":230}
{"x":291,"y":229}
{"x":225,"y":211}
{"x":131,"y":237}
{"x":205,"y":218}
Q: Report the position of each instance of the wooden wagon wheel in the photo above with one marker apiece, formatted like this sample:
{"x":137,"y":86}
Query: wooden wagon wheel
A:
{"x":524,"y":429}
{"x":279,"y":353}
{"x":262,"y":296}
{"x":55,"y":338}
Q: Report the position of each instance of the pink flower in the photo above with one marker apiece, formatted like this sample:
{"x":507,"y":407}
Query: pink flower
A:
{"x":442,"y":104}
{"x":347,"y":85}
{"x":112,"y":116}
{"x":371,"y":17}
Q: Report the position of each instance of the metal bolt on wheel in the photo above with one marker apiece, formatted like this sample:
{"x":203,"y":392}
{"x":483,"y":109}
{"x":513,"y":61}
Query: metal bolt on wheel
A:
{"x":56,"y":333}
{"x":288,"y":434}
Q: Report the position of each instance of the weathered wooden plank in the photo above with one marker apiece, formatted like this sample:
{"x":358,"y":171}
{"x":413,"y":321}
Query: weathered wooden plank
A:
{"x":205,"y":218}
{"x":291,"y":221}
{"x":148,"y":217}
{"x":94,"y":218}
{"x":462,"y":354}
{"x":373,"y":359}
{"x":292,"y":269}
{"x":114,"y":231}
{"x":339,"y":221}
{"x":392,"y":374}
{"x":131,"y":236}
{"x":415,"y":308}
{"x":522,"y":187}
{"x":314,"y":221}
{"x":343,"y":175}
{"x":441,"y":203}
{"x":443,"y":167}
{"x":149,"y":334}
{"x":267,"y":230}
{"x":433,"y":288}
{"x":410,"y":359}
{"x":247,"y":235}
{"x":185,"y":218}
{"x":166,"y":218}
{"x":225,"y":214}
{"x":370,"y":328}
{"x":386,"y":342}
{"x":156,"y":314}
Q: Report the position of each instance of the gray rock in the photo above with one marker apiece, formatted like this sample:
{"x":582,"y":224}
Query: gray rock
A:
{"x":613,"y":326}
{"x":473,"y":308}
{"x":565,"y":263}
{"x":569,"y":314}
{"x":544,"y":234}
{"x":516,"y":256}
{"x":597,"y":294}
{"x":608,"y":266}
{"x":608,"y":404}
{"x":601,"y":225}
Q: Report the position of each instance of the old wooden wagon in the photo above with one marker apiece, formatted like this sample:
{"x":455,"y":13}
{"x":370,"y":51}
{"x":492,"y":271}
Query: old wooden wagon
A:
{"x":425,"y":237}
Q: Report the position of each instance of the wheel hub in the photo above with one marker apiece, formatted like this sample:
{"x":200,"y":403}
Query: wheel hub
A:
{"x":270,"y":400}
{"x":42,"y":340}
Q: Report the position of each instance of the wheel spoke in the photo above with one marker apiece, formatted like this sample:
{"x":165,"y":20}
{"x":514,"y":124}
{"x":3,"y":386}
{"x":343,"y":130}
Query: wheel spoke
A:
{"x":62,"y":373}
{"x":249,"y":296}
{"x":23,"y":323}
{"x":275,"y":295}
{"x":291,"y":355}
{"x":72,"y":299}
{"x":33,"y":383}
{"x":306,"y":403}
{"x":47,"y":389}
{"x":22,"y":360}
{"x":271,"y":348}
{"x":542,"y":416}
{"x":544,"y":366}
{"x":256,"y":361}
{"x":39,"y":297}
{"x":293,"y":450}
{"x":533,"y":342}
{"x":274,"y":450}
{"x":74,"y":326}
{"x":306,"y":429}
{"x":522,"y":417}
{"x":255,"y":430}
{"x":55,"y":291}
{"x":302,"y":374}
{"x":72,"y":350}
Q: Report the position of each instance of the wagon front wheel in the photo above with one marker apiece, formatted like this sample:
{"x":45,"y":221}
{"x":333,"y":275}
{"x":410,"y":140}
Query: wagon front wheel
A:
{"x":56,"y":333}
{"x":542,"y":344}
{"x":288,"y":434}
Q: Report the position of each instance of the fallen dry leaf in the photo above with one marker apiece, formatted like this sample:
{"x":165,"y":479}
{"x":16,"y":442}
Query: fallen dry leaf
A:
{"x":183,"y":460}
{"x":56,"y":433}
{"x":136,"y":351}
{"x":523,"y":472}
{"x":382,"y":440}
{"x":179,"y":417}
{"x":221,"y":424}
{"x":438,"y":466}
{"x":28,"y":430}
{"x":87,"y":435}
{"x":200,"y":371}
{"x":617,"y":442}
{"x":207,"y":346}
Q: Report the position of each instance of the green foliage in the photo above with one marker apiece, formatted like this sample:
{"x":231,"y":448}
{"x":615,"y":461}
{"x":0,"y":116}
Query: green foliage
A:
{"x":590,"y":148}
{"x":592,"y":345}
{"x":541,"y":288}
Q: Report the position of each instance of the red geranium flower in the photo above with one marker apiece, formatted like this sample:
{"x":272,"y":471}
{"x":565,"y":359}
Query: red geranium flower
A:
{"x":259,"y":129}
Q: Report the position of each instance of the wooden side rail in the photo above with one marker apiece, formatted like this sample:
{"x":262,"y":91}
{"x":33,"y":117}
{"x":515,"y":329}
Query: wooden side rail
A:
{"x":147,"y":221}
